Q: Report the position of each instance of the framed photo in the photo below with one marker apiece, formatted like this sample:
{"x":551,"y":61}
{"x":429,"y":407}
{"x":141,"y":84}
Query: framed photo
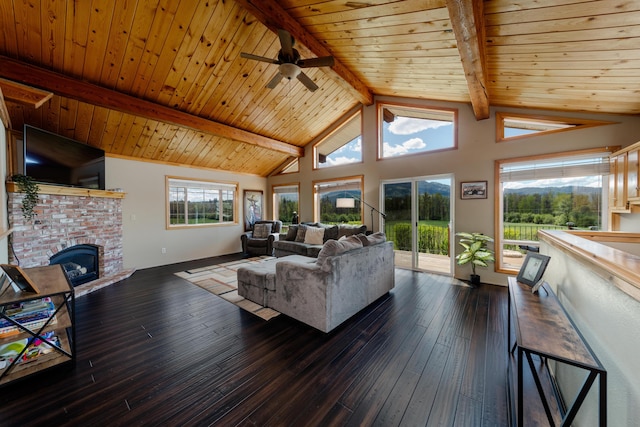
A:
{"x":473,"y":190}
{"x":19,"y":278}
{"x":252,"y":208}
{"x":533,"y":268}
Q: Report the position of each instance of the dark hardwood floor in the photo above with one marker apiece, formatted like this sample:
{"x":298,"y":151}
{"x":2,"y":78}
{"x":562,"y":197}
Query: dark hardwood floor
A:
{"x":157,"y":350}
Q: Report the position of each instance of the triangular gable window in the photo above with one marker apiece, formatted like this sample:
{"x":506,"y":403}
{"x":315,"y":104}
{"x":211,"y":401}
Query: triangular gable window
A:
{"x":510,"y":126}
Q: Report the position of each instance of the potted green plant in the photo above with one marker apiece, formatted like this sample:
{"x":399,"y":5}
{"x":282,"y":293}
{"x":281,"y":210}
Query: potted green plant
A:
{"x":475,"y":252}
{"x":29,"y":187}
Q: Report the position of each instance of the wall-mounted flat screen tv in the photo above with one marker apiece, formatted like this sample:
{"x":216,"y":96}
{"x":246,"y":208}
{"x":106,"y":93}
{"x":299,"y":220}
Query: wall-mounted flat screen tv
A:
{"x":55,"y":159}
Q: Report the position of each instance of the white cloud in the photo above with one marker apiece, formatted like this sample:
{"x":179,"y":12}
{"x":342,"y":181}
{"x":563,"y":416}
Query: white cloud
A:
{"x":355,"y":147}
{"x":404,"y":148}
{"x":414,"y":144}
{"x":394,"y":150}
{"x":343,"y":160}
{"x":409,"y":126}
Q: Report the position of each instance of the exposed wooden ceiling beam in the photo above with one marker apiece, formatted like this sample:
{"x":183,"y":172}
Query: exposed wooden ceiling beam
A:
{"x":4,"y":113}
{"x":274,"y":17}
{"x":23,"y":94}
{"x":86,"y":92}
{"x":467,"y":20}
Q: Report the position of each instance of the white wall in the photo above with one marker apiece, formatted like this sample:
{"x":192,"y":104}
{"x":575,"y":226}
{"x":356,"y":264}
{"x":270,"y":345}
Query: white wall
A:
{"x":472,"y":161}
{"x":144,"y":210}
{"x":609,"y":319}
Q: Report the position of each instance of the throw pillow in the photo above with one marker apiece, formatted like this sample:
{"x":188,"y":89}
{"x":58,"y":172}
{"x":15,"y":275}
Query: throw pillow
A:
{"x":291,"y":233}
{"x":314,"y":236}
{"x":336,"y":247}
{"x":302,"y":230}
{"x":375,"y":238}
{"x":261,"y":231}
{"x":350,"y":230}
{"x":363,"y":239}
{"x":330,"y":232}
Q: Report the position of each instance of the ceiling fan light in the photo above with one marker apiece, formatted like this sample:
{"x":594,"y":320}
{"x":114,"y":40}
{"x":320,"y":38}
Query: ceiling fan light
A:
{"x":289,"y":70}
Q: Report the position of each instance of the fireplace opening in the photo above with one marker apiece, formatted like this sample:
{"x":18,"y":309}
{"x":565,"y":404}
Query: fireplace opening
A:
{"x":80,"y":262}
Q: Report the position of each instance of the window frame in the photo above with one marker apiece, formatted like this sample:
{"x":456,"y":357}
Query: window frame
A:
{"x":499,"y":197}
{"x":220,"y":186}
{"x":275,"y":204}
{"x":380,"y":105}
{"x":288,"y":167}
{"x":564,"y":124}
{"x":317,"y":195}
{"x":335,"y":129}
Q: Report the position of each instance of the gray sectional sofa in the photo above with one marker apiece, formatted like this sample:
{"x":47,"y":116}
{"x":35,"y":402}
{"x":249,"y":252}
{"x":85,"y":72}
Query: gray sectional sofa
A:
{"x":323,"y":292}
{"x":293,"y":242}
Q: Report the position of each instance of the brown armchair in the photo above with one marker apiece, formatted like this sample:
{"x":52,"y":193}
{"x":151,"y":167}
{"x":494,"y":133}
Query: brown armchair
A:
{"x":259,"y":241}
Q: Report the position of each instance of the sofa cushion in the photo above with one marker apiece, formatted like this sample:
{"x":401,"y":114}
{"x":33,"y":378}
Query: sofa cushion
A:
{"x":261,"y":231}
{"x":350,"y":230}
{"x":314,"y":236}
{"x":302,"y":231}
{"x":291,"y":233}
{"x":337,"y":247}
{"x":363,"y":239}
{"x":376,"y":238}
{"x":294,"y":248}
{"x":330,"y":231}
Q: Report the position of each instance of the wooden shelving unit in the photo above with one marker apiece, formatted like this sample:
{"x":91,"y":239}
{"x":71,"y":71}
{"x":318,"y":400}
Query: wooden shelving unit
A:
{"x":545,"y":334}
{"x":51,"y":282}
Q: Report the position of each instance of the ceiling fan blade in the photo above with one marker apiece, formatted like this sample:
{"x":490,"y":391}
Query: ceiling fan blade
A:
{"x":274,"y":81}
{"x":325,"y":61}
{"x":286,"y":41}
{"x":307,"y":82}
{"x":259,"y":58}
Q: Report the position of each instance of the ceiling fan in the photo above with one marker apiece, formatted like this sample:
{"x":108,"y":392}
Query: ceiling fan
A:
{"x":290,"y":64}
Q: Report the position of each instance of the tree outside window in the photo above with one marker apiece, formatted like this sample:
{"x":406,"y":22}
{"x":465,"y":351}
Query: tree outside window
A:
{"x":199,"y":203}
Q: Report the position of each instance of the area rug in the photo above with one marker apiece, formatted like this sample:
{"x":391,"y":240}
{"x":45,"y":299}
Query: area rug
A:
{"x":222,"y":280}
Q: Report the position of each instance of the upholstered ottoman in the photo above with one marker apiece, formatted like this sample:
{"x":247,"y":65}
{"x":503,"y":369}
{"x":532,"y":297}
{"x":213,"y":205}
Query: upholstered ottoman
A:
{"x":254,"y":281}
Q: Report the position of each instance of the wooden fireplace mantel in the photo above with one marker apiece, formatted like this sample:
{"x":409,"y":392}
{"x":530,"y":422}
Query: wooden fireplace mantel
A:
{"x":12,"y":187}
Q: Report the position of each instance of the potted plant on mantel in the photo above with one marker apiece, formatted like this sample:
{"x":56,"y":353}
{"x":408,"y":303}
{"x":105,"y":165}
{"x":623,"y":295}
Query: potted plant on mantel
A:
{"x":29,"y":187}
{"x":475,"y":252}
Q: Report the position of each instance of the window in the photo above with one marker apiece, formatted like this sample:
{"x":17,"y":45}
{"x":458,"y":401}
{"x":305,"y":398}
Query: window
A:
{"x":559,"y":191}
{"x":292,"y":167}
{"x":199,"y":203}
{"x":342,"y":146}
{"x":326,"y":194}
{"x":515,"y":126}
{"x":285,"y":202}
{"x":412,"y":130}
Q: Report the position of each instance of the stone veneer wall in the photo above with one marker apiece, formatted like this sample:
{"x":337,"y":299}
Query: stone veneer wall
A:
{"x":63,"y":221}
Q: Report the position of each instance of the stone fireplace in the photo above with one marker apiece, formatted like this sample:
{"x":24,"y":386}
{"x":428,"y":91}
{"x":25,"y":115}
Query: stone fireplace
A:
{"x":67,"y":217}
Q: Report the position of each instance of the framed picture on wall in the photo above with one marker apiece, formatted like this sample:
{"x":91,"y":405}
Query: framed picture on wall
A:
{"x":473,"y":190}
{"x":252,"y":208}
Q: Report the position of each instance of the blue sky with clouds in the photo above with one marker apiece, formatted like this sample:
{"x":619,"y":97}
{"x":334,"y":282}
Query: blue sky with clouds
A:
{"x":404,"y":135}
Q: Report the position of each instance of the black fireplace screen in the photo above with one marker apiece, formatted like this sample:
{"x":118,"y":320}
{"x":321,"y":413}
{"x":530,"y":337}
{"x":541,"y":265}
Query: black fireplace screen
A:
{"x":80,"y":262}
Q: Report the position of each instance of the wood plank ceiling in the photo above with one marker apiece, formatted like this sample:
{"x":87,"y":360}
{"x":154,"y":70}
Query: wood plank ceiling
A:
{"x":163,"y":80}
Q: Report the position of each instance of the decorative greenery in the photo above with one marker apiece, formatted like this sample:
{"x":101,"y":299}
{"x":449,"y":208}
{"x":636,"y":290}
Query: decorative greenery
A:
{"x":28,"y":186}
{"x":475,"y":251}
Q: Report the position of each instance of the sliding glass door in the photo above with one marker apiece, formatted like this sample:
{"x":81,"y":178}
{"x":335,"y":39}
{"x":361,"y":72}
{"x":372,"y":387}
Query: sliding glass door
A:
{"x":419,"y":221}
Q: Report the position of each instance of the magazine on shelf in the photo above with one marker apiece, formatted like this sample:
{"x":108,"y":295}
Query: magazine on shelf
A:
{"x":31,"y":314}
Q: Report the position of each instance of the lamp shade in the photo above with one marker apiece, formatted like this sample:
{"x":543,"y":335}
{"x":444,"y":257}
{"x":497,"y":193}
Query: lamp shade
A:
{"x":345,"y":202}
